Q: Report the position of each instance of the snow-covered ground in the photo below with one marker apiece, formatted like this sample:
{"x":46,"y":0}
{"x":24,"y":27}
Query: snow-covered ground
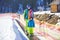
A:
{"x":47,"y":12}
{"x":10,"y":30}
{"x":6,"y":30}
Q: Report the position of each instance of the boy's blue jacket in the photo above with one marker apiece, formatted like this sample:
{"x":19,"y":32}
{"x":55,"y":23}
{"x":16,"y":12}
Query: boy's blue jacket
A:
{"x":31,"y":23}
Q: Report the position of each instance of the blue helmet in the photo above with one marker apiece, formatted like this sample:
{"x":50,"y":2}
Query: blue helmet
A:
{"x":28,"y":6}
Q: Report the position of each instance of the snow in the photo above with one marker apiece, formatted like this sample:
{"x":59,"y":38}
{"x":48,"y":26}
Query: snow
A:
{"x":47,"y":12}
{"x":10,"y":30}
{"x":6,"y":30}
{"x":42,"y":12}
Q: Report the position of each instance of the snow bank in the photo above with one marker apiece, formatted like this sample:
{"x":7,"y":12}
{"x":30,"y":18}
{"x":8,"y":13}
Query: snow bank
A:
{"x":6,"y":30}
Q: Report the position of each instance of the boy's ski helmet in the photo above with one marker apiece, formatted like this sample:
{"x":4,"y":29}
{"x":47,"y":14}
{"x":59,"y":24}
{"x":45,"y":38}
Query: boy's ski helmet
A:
{"x":28,"y":6}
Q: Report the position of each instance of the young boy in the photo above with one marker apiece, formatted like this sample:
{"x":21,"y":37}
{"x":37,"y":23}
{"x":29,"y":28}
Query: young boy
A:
{"x":31,"y":26}
{"x":28,"y":16}
{"x":26,"y":11}
{"x":31,"y":23}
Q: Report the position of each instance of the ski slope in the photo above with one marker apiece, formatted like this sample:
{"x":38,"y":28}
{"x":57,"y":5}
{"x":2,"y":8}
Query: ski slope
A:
{"x":10,"y":30}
